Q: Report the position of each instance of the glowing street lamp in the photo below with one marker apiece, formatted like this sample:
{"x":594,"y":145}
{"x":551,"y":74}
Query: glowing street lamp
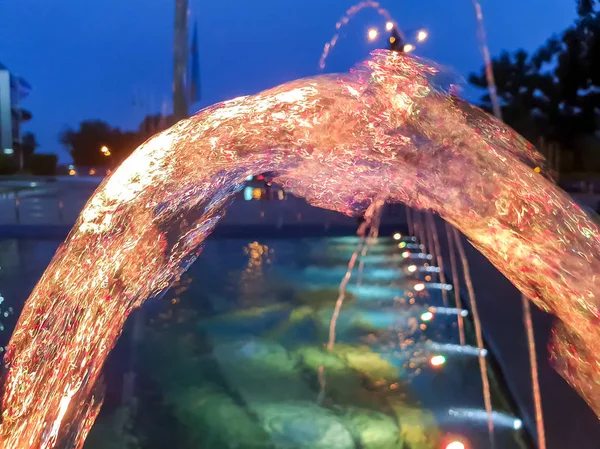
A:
{"x":105,"y":151}
{"x":408,"y":48}
{"x":397,"y":236}
{"x":389,"y":25}
{"x":422,"y":35}
{"x":372,"y":34}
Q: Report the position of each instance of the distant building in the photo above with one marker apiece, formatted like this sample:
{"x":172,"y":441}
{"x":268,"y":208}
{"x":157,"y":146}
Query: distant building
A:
{"x":12,"y":90}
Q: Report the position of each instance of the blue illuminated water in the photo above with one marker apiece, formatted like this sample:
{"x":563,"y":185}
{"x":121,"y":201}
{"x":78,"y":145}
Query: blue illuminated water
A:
{"x":230,"y":356}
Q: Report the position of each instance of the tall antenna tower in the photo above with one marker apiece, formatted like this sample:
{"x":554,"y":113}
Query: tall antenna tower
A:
{"x":180,"y":68}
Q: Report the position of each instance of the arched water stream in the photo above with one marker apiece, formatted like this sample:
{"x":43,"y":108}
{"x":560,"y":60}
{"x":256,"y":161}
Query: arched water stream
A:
{"x":335,"y":140}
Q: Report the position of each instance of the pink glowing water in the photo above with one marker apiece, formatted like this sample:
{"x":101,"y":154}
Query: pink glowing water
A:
{"x":335,"y":140}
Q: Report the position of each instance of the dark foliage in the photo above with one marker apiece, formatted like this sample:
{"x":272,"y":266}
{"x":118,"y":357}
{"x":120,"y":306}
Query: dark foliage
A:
{"x":8,"y":165}
{"x":42,"y":164}
{"x":555,"y":92}
{"x":85,"y":144}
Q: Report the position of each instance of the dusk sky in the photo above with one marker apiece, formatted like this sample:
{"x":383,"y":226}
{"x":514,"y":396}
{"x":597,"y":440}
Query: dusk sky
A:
{"x":89,"y":59}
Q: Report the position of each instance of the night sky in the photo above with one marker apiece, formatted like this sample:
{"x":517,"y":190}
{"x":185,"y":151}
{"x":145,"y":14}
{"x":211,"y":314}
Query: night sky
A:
{"x":89,"y":59}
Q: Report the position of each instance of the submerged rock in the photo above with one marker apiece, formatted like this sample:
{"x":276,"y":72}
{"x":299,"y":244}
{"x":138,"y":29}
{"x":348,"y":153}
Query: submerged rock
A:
{"x":303,"y":425}
{"x":363,"y":359}
{"x":417,"y":426}
{"x":260,"y":371}
{"x":374,"y":430}
{"x":212,"y":419}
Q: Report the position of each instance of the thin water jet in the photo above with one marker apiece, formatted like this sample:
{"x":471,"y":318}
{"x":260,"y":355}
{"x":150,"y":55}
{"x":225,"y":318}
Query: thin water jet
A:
{"x":455,"y":282}
{"x":438,"y":252}
{"x":535,"y":379}
{"x":353,"y":10}
{"x":485,"y":380}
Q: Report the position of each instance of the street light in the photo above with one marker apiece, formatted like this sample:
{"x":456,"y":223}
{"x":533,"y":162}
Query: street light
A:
{"x":389,"y":25}
{"x":105,"y":151}
{"x":408,"y":48}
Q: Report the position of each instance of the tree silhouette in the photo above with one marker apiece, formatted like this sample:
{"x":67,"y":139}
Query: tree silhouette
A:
{"x":85,"y":144}
{"x":554,"y":93}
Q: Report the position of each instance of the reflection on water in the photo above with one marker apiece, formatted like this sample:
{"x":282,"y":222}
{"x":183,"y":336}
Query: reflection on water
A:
{"x":251,"y":280}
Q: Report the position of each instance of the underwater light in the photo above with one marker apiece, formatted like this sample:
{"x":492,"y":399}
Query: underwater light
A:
{"x":419,"y":287}
{"x":459,"y":349}
{"x":437,"y":360}
{"x":426,"y":316}
{"x":455,"y":445}
{"x":477,"y":415}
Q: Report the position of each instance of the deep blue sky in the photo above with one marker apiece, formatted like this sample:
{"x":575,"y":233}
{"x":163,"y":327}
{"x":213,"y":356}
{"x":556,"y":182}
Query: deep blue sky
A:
{"x":87,"y":59}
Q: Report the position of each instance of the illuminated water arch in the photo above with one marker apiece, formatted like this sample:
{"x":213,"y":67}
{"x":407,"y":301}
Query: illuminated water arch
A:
{"x":337,"y":140}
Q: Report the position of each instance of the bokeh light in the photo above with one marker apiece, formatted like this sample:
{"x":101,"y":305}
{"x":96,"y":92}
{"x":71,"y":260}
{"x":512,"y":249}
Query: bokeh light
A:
{"x":372,"y":34}
{"x":426,"y":316}
{"x":437,"y":360}
{"x":455,"y":445}
{"x":422,"y":35}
